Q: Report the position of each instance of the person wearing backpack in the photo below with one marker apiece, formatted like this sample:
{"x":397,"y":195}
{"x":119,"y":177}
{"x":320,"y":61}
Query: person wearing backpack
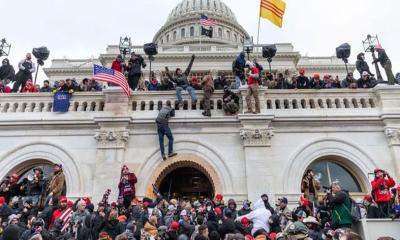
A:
{"x":340,"y":203}
{"x":381,"y":191}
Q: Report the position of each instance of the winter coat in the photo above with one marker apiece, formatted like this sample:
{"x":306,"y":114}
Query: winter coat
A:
{"x":305,"y":188}
{"x":207,"y":83}
{"x":253,"y":78}
{"x":150,"y":230}
{"x":362,"y":65}
{"x":5,"y":211}
{"x":127,"y":187}
{"x":153,"y":85}
{"x":281,"y":84}
{"x":12,"y":232}
{"x":7,"y":72}
{"x":341,"y":208}
{"x":46,"y":89}
{"x":259,"y":216}
{"x":227,"y":226}
{"x":381,"y":189}
{"x":186,"y":228}
{"x":113,"y":228}
{"x":46,"y":214}
{"x":56,"y":184}
{"x":370,"y":83}
{"x":302,"y":82}
{"x":135,"y":64}
{"x":238,"y":66}
{"x":97,"y":223}
{"x":382,"y":57}
{"x":26,"y":68}
{"x":317,"y":84}
{"x":117,"y":66}
{"x":181,"y":80}
{"x":163,"y":116}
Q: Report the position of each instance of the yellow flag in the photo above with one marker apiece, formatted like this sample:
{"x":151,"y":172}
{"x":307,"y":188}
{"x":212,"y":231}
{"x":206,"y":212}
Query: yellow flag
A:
{"x":273,"y":10}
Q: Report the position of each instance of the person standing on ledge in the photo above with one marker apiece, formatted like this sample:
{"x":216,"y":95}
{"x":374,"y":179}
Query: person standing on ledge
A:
{"x":252,"y":82}
{"x":135,"y":63}
{"x":385,"y":62}
{"x":163,"y":130}
{"x":182,"y":83}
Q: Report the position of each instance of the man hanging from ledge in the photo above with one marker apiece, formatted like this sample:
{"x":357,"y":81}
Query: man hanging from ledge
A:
{"x":182,"y":82}
{"x":163,"y":130}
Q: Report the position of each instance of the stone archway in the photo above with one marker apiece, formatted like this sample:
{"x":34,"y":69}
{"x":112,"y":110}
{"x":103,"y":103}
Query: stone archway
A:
{"x":347,"y":153}
{"x":183,"y":160}
{"x":22,"y":156}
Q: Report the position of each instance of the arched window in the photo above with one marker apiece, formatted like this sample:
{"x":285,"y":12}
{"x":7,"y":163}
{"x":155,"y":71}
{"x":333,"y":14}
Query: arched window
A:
{"x":183,"y":33}
{"x":327,"y":171}
{"x":192,"y":31}
{"x":220,"y":32}
{"x":174,"y":36}
{"x":168,"y":38}
{"x":228,"y":35}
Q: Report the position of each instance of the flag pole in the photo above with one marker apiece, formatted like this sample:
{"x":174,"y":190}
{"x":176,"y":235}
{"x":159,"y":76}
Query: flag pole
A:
{"x":259,"y":20}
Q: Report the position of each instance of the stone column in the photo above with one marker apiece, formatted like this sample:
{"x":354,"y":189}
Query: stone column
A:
{"x":393,"y":136}
{"x":112,"y":137}
{"x":256,"y":135}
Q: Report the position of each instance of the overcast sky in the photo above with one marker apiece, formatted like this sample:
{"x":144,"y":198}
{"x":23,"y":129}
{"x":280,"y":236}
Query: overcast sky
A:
{"x":82,"y":29}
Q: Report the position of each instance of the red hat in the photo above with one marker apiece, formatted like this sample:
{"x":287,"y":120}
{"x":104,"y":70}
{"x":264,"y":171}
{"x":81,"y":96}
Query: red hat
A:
{"x":244,"y":221}
{"x":113,"y":204}
{"x":219,"y":197}
{"x":87,"y":200}
{"x":146,"y":204}
{"x":316,"y":76}
{"x":125,"y":167}
{"x":2,"y":200}
{"x":377,"y":170}
{"x":174,"y":226}
{"x":302,"y":71}
{"x":368,"y":198}
{"x":398,"y":188}
{"x":70,"y":204}
{"x":122,"y":218}
{"x":63,"y":199}
{"x":218,"y":211}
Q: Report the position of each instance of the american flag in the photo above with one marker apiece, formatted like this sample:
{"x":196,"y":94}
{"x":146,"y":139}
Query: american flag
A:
{"x":104,"y":74}
{"x":65,"y":217}
{"x":207,"y":22}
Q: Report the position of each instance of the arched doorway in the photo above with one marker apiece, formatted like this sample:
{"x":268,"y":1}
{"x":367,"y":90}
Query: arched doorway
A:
{"x":186,"y":182}
{"x":25,"y":171}
{"x":185,"y":179}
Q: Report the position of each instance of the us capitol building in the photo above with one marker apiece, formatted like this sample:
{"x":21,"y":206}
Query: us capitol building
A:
{"x":343,"y":134}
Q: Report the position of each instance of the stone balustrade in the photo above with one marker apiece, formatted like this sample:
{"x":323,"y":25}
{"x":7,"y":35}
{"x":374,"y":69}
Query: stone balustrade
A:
{"x":273,"y":102}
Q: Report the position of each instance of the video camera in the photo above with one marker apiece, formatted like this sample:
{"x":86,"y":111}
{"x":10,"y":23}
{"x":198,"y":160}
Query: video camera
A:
{"x":327,"y":189}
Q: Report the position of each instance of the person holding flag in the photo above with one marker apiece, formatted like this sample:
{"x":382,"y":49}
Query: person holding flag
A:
{"x":108,"y":75}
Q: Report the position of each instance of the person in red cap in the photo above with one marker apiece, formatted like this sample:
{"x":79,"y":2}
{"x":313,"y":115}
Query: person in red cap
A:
{"x":381,"y":190}
{"x":302,"y":81}
{"x":219,"y":200}
{"x":126,"y":187}
{"x":5,"y":210}
{"x":173,"y":230}
{"x":371,"y":208}
{"x":61,"y":208}
{"x":316,"y":82}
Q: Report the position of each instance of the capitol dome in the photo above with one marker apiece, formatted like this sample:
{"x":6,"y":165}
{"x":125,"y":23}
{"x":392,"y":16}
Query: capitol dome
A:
{"x":183,"y":24}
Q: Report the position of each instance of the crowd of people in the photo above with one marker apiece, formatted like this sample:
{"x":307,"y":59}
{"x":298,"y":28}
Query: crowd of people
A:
{"x":31,"y":209}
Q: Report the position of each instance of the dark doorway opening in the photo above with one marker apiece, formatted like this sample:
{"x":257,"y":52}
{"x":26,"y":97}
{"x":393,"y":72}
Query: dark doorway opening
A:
{"x":186,"y":182}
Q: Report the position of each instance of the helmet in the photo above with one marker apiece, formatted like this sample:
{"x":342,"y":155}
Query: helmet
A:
{"x":298,"y":230}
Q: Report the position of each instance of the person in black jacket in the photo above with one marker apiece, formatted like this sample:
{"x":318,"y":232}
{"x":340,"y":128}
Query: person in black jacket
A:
{"x":362,"y":65}
{"x":135,"y":63}
{"x":227,"y":225}
{"x":302,"y":81}
{"x":366,"y":81}
{"x":7,"y":71}
{"x":113,"y":227}
{"x":182,"y":82}
{"x":238,"y":66}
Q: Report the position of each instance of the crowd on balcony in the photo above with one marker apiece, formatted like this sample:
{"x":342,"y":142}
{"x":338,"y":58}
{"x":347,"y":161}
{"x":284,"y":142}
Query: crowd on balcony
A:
{"x":33,"y":208}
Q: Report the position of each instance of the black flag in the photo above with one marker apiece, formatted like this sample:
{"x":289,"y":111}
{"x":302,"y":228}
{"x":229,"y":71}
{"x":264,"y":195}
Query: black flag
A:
{"x":207,"y":32}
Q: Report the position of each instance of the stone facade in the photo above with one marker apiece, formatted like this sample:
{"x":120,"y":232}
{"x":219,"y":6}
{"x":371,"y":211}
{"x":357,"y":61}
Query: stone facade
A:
{"x":243,"y":156}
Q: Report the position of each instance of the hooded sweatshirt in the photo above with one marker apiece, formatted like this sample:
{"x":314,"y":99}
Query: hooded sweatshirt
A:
{"x":259,"y":216}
